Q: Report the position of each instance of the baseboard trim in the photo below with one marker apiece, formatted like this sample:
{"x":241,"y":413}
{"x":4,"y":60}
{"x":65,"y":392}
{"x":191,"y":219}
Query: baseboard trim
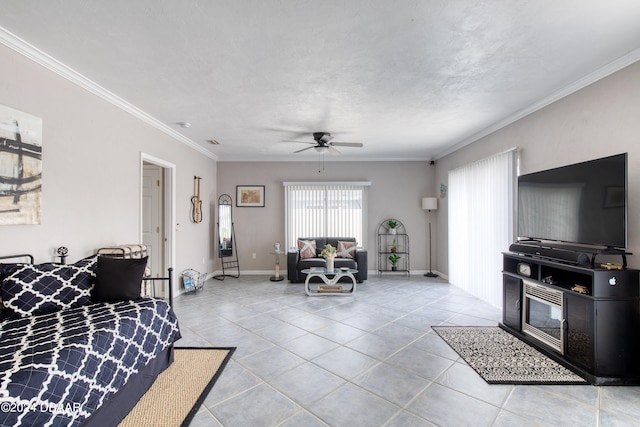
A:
{"x":371,"y":273}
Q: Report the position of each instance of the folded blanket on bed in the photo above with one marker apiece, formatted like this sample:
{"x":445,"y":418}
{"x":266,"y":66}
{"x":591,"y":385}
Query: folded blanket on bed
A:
{"x":58,"y":368}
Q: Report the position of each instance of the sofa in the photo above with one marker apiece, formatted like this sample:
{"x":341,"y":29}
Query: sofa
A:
{"x":351,"y":257}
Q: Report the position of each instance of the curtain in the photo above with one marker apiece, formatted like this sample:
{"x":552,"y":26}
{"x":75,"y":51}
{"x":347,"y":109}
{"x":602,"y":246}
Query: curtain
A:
{"x":481,"y":224}
{"x":325,"y":210}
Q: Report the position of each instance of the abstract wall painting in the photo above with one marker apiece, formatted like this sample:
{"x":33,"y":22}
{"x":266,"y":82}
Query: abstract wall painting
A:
{"x":20,"y":167}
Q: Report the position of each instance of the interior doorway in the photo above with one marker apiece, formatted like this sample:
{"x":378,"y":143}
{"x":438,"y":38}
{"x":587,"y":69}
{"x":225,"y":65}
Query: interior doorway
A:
{"x":157,"y":213}
{"x":153,"y":217}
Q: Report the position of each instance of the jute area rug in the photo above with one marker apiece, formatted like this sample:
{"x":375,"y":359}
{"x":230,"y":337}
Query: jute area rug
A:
{"x":176,"y":395}
{"x":500,"y":358}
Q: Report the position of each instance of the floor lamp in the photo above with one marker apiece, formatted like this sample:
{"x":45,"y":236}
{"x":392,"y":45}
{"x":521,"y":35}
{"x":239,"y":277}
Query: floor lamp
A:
{"x":429,"y":204}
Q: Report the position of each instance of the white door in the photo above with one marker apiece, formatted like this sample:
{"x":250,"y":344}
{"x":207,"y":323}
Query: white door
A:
{"x":152,"y":223}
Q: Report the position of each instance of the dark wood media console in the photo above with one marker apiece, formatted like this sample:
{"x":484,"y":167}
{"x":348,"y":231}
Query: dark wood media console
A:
{"x":586,"y":318}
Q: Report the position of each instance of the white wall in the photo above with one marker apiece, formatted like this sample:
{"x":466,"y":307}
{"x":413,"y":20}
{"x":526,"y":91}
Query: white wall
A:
{"x":396,"y":192}
{"x":91,"y":171}
{"x":600,"y":120}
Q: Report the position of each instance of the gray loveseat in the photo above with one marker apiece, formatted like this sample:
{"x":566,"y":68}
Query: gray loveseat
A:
{"x":295,"y":264}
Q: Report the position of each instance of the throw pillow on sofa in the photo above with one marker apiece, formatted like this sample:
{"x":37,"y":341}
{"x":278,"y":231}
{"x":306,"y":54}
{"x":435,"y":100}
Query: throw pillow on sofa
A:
{"x":347,"y":249}
{"x":30,"y":289}
{"x":307,"y":248}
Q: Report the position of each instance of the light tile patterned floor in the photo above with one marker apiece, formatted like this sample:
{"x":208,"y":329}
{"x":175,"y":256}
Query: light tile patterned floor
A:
{"x":367,"y":360}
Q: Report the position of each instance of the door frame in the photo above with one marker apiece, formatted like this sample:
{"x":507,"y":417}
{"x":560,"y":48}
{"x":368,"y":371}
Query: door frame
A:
{"x":168,"y":207}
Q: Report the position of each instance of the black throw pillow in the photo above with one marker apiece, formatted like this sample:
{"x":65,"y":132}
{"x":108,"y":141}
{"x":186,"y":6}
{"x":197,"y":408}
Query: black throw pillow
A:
{"x":118,"y":279}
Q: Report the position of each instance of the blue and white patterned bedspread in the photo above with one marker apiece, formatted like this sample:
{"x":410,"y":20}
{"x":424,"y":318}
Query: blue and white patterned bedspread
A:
{"x":58,"y":368}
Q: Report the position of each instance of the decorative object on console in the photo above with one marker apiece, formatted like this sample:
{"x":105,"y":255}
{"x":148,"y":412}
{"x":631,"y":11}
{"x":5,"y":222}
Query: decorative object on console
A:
{"x":21,"y":154}
{"x":196,"y":203}
{"x":580,"y":289}
{"x":524,"y":269}
{"x":429,"y":204}
{"x":62,"y":252}
{"x":612,"y":266}
{"x":250,"y":196}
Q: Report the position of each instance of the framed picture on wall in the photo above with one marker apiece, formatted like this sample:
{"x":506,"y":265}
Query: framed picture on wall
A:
{"x":20,"y":167}
{"x":250,"y":196}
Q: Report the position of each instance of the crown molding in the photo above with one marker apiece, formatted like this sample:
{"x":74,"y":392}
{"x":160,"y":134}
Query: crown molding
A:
{"x":22,"y":47}
{"x":579,"y":84}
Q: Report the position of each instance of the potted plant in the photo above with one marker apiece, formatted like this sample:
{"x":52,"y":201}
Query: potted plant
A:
{"x":392,"y":224}
{"x":393,"y":247}
{"x":393,"y":259}
{"x":329,"y":253}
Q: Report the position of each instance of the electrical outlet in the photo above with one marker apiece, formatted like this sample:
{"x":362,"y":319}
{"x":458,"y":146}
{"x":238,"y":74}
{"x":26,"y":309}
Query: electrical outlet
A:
{"x":253,"y":255}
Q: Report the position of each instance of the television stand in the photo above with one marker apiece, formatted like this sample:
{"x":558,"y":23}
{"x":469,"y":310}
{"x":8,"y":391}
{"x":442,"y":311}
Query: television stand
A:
{"x":585,"y":318}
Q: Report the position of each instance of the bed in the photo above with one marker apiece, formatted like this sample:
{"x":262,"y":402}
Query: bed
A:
{"x":78,"y":344}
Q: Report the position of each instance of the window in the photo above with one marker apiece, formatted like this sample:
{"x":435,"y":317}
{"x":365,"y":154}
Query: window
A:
{"x":328,"y":209}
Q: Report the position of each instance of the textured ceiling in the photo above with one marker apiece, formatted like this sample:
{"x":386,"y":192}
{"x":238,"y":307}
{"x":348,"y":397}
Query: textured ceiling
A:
{"x":408,"y":78}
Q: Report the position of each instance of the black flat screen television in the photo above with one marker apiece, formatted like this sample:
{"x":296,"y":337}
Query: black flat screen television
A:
{"x":583,"y":203}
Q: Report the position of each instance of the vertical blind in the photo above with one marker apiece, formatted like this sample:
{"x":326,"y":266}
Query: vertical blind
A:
{"x":325,"y":210}
{"x":481,"y":224}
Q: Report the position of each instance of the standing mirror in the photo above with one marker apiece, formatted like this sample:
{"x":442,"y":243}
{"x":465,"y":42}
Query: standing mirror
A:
{"x":225,"y":222}
{"x":227,"y":249}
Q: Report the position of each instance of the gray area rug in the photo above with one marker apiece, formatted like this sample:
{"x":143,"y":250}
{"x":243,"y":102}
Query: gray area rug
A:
{"x":500,"y":358}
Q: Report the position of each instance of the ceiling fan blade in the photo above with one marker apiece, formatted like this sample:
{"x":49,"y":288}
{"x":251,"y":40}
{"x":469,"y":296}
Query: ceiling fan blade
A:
{"x":299,"y":142}
{"x":333,"y":151}
{"x":292,"y":133}
{"x":305,"y":149}
{"x":347,"y":144}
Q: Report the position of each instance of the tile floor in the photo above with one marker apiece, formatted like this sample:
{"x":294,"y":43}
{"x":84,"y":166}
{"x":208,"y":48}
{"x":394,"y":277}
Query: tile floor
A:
{"x":367,"y":360}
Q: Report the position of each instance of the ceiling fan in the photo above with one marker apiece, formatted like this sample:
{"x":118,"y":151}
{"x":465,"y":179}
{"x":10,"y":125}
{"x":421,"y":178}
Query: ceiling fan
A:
{"x":323,"y":144}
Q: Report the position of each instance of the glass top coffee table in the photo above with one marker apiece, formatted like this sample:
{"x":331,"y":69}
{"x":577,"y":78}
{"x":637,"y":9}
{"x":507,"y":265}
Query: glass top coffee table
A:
{"x":330,"y":279}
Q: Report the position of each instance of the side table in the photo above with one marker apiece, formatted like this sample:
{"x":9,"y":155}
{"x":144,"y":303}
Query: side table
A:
{"x":277,"y":277}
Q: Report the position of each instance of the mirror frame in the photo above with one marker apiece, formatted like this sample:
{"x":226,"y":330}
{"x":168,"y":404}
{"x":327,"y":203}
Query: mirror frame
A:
{"x":225,"y":226}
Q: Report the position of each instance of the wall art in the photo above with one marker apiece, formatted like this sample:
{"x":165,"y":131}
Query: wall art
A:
{"x":250,"y":196}
{"x":20,"y":167}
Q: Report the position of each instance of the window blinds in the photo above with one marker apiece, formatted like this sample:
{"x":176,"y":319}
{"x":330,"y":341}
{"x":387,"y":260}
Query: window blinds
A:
{"x":481,"y":225}
{"x":325,"y":210}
